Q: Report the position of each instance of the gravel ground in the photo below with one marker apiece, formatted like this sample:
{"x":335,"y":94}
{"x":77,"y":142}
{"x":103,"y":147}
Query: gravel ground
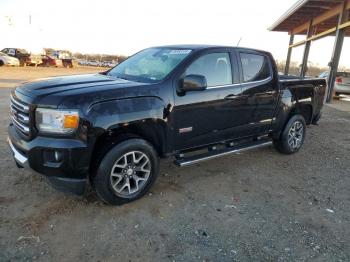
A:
{"x":254,"y":206}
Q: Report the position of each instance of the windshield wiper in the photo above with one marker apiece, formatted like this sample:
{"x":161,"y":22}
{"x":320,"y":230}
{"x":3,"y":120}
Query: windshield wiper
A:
{"x":117,"y":76}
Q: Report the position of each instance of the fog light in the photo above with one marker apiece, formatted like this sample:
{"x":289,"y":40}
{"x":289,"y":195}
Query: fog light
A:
{"x":58,"y":156}
{"x":52,"y":157}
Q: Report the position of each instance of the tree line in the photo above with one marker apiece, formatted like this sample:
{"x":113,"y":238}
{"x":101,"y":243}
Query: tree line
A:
{"x":100,"y":57}
{"x":312,"y":69}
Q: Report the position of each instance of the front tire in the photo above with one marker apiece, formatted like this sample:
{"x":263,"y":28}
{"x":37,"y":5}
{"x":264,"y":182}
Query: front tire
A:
{"x":292,"y":137}
{"x":126,"y":172}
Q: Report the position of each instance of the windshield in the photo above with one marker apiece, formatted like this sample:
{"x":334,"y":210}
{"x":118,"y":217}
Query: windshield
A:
{"x":150,"y":65}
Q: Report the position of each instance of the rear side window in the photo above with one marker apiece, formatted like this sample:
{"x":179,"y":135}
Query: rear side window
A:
{"x":255,"y":67}
{"x":216,"y":68}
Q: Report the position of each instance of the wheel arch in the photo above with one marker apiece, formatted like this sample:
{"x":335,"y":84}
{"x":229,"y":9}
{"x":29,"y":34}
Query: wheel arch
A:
{"x":152,"y":130}
{"x":304,"y":109}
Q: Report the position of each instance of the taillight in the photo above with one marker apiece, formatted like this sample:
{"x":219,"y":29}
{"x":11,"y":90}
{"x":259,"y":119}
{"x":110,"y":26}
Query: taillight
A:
{"x":338,"y":80}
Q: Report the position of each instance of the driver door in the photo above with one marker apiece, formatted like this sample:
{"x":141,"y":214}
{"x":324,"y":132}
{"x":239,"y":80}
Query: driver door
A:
{"x":213,"y":114}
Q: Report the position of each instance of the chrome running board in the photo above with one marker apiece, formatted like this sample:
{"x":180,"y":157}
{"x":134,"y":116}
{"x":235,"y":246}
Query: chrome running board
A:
{"x":186,"y":161}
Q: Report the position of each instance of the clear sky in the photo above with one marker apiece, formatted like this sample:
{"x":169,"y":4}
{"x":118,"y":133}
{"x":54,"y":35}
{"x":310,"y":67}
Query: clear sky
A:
{"x":124,"y":27}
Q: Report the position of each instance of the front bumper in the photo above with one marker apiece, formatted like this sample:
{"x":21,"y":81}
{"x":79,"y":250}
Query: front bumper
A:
{"x":20,"y":159}
{"x":67,"y":173}
{"x":12,"y":62}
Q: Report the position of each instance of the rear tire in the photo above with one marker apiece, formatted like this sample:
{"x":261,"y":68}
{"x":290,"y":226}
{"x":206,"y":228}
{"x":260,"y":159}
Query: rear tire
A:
{"x":126,"y":172}
{"x":292,"y":137}
{"x":1,"y":63}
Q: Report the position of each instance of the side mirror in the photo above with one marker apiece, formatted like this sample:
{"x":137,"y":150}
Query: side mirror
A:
{"x":193,"y":83}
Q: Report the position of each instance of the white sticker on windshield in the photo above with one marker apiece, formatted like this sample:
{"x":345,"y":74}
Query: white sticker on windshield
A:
{"x":180,"y":52}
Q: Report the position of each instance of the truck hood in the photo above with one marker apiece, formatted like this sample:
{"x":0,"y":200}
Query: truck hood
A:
{"x":58,"y":85}
{"x":82,"y":91}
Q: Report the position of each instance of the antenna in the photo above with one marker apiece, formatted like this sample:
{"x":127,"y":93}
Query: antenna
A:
{"x":239,"y":41}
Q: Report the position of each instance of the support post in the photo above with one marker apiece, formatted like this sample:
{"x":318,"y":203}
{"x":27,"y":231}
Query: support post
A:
{"x":289,"y":54}
{"x":338,"y":45}
{"x":306,"y":51}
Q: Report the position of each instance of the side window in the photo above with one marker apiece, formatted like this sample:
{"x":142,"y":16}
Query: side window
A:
{"x":216,"y":68}
{"x":255,"y":67}
{"x":12,"y":52}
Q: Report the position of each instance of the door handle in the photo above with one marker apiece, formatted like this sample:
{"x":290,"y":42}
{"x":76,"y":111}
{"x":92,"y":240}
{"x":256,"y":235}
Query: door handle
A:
{"x":231,"y":96}
{"x":271,"y":92}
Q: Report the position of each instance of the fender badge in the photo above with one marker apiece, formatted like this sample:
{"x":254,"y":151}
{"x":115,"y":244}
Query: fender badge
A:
{"x":185,"y":130}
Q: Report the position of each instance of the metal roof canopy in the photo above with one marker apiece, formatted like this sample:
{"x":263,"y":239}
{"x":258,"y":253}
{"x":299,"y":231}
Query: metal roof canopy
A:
{"x":316,"y":19}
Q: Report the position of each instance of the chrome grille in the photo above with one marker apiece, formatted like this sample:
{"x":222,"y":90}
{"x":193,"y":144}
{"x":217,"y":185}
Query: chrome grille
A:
{"x":20,"y":115}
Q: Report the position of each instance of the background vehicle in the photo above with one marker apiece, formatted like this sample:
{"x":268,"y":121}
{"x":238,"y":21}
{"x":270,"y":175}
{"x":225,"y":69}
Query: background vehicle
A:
{"x":35,"y":60}
{"x":21,"y":54}
{"x":342,"y":82}
{"x":190,"y":102}
{"x":81,"y":62}
{"x":92,"y":63}
{"x":50,"y":61}
{"x":111,"y":64}
{"x":64,"y":55}
{"x":8,"y":60}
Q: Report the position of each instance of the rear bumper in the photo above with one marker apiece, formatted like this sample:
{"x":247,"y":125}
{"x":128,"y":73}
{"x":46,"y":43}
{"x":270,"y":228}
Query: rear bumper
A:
{"x":342,"y":88}
{"x":68,"y":174}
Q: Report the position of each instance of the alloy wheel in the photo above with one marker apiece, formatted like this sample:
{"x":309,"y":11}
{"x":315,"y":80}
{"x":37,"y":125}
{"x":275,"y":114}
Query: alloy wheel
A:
{"x":295,"y":135}
{"x":130,"y":173}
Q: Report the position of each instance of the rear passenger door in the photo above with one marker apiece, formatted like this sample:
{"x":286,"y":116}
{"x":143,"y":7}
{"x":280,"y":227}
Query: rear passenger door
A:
{"x":259,"y":90}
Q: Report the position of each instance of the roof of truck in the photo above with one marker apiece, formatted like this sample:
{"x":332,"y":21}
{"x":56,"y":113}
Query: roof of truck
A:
{"x":201,"y":47}
{"x":189,"y":46}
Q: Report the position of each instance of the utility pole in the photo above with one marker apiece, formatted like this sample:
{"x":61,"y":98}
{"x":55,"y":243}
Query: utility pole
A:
{"x":338,"y":44}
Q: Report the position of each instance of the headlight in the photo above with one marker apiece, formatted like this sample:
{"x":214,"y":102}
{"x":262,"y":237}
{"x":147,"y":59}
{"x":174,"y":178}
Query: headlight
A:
{"x":56,"y":121}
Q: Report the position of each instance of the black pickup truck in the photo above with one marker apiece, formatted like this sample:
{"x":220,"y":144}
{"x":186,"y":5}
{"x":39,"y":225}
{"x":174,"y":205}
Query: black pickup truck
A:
{"x":191,"y":102}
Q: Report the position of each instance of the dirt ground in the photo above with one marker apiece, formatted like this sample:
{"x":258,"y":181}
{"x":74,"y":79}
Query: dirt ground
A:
{"x":253,"y":206}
